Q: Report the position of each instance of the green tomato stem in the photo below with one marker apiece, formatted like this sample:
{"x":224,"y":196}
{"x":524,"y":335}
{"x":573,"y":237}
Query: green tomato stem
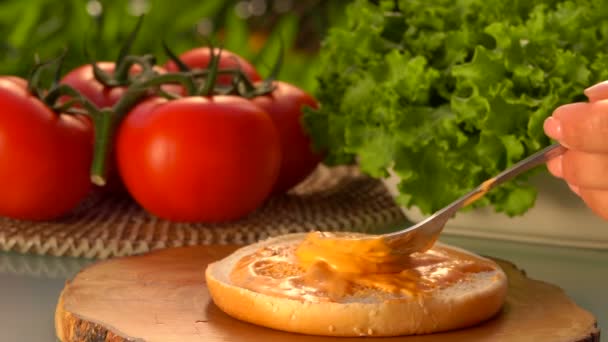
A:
{"x":121,"y":73}
{"x":104,"y":127}
{"x":180,"y":78}
{"x":34,"y":78}
{"x":213,"y":67}
{"x":124,"y":50}
{"x":65,"y":107}
{"x":105,"y":123}
{"x":172,"y":56}
{"x":63,"y":89}
{"x":103,"y":77}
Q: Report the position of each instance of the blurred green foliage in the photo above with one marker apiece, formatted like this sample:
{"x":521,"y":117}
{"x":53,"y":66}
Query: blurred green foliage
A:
{"x":252,"y":29}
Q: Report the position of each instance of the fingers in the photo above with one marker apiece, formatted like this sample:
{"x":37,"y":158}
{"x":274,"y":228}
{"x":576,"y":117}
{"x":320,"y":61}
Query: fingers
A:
{"x":597,"y":92}
{"x":583,"y":128}
{"x":580,"y":126}
{"x":585,"y":170}
{"x":555,"y":167}
{"x":597,"y":200}
{"x":553,"y":128}
{"x":581,"y":170}
{"x":586,"y":175}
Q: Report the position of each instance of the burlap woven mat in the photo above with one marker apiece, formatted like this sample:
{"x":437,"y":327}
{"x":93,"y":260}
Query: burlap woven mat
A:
{"x":331,"y":199}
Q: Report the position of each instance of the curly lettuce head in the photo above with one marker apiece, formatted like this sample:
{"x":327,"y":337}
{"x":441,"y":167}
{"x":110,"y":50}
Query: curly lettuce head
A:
{"x":448,"y":93}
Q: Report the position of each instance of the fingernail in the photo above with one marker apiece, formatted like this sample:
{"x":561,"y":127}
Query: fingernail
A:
{"x":553,"y":128}
{"x":597,"y":91}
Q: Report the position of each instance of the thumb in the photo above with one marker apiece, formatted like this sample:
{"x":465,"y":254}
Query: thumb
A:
{"x":597,"y":92}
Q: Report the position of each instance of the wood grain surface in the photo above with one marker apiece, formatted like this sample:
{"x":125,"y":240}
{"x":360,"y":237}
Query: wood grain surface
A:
{"x":161,"y":296}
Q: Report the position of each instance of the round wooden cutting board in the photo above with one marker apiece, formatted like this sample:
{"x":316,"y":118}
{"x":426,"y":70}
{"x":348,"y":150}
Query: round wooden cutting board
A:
{"x":161,"y":296}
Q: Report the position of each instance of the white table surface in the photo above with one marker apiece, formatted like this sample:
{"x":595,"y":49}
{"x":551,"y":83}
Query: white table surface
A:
{"x":30,"y":285}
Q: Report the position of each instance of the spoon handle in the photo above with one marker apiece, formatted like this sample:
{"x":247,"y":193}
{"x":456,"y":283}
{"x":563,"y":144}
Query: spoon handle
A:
{"x":532,"y":161}
{"x":518,"y":168}
{"x":421,"y":235}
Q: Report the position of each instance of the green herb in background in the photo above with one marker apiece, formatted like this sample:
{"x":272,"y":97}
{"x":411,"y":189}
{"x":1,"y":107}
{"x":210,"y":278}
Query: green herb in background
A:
{"x":252,"y":29}
{"x":448,"y":93}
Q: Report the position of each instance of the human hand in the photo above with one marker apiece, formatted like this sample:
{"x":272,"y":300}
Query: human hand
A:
{"x":583,"y":128}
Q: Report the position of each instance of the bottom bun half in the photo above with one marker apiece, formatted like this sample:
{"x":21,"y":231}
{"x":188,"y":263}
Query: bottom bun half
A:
{"x":463,"y":304}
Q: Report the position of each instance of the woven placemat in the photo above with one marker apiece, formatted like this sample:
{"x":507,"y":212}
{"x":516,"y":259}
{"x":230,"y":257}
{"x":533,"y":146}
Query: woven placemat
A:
{"x":332,"y":199}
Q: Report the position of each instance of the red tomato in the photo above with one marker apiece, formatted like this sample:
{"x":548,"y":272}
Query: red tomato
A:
{"x":199,"y":58}
{"x":44,"y":157}
{"x":17,"y":80}
{"x":285,"y":105}
{"x":198,"y":159}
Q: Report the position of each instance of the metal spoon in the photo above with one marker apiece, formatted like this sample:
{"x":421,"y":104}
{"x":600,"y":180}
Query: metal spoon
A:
{"x":421,"y":236}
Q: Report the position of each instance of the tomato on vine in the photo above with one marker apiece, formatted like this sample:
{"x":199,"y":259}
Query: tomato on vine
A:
{"x":284,"y":105}
{"x":198,"y":159}
{"x":105,"y":83}
{"x":84,"y":80}
{"x":200,"y":58}
{"x":45,"y":156}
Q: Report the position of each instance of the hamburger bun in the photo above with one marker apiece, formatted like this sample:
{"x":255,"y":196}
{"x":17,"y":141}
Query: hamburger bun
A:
{"x":475,"y":298}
